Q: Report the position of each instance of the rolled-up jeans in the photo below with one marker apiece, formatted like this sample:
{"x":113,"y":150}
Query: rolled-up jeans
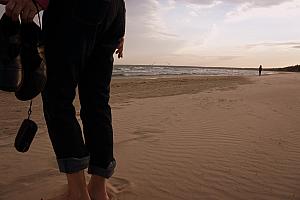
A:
{"x":77,"y":55}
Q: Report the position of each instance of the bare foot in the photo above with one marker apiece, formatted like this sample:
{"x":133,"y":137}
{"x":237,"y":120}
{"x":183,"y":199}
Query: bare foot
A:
{"x":97,"y":188}
{"x":78,"y":197}
{"x":60,"y":197}
{"x":97,"y":195}
{"x":77,"y":189}
{"x":68,"y":196}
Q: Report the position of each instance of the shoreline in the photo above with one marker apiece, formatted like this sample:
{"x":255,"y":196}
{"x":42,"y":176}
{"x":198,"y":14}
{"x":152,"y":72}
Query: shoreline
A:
{"x":138,"y":70}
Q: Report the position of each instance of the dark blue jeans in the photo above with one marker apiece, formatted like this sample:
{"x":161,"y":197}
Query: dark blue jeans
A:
{"x":80,"y":54}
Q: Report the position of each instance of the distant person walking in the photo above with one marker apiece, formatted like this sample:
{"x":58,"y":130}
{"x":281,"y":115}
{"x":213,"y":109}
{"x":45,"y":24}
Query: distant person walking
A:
{"x":260,"y":70}
{"x":80,"y":38}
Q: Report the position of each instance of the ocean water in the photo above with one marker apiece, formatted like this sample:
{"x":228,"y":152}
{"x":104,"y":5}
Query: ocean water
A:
{"x":147,"y":70}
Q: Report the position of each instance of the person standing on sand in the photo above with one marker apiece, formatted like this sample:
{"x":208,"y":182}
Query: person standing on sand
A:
{"x":80,"y":38}
{"x":260,"y":70}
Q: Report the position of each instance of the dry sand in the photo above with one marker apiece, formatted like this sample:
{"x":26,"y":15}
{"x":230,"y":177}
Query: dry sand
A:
{"x":210,"y":138}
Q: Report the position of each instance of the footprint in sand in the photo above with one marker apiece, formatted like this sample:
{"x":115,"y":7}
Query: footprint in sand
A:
{"x":116,"y":186}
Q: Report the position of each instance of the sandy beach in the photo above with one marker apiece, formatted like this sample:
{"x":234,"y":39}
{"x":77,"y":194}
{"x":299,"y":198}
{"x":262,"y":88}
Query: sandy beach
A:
{"x":194,"y":138}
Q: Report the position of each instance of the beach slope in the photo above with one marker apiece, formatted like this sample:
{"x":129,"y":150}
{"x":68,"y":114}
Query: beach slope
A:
{"x":224,"y":138}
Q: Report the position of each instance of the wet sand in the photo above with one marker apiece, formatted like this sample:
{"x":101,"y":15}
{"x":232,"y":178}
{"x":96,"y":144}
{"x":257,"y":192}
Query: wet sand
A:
{"x":223,"y":138}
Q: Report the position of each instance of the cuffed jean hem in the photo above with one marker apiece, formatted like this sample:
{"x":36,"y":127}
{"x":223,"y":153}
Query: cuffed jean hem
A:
{"x":105,"y":173}
{"x":72,"y":165}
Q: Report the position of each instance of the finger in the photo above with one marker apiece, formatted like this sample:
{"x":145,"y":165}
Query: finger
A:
{"x":16,"y":12}
{"x":119,"y":52}
{"x":29,"y":13}
{"x":27,"y":17}
{"x":120,"y":55}
{"x":39,"y":8}
{"x":25,"y":14}
{"x":120,"y":48}
{"x":31,"y":16}
{"x":3,"y":2}
{"x":121,"y":40}
{"x":9,"y":8}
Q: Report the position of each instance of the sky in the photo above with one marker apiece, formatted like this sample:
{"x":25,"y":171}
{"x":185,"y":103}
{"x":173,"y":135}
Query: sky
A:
{"x":231,"y":33}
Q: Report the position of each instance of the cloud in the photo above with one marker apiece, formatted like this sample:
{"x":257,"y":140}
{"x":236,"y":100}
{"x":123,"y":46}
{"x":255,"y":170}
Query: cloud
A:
{"x":270,"y":9}
{"x":275,"y":44}
{"x":259,"y":3}
{"x":146,"y":16}
{"x":202,"y":2}
{"x":196,"y":9}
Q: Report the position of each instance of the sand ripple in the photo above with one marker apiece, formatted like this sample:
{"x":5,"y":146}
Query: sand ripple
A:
{"x":183,"y":148}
